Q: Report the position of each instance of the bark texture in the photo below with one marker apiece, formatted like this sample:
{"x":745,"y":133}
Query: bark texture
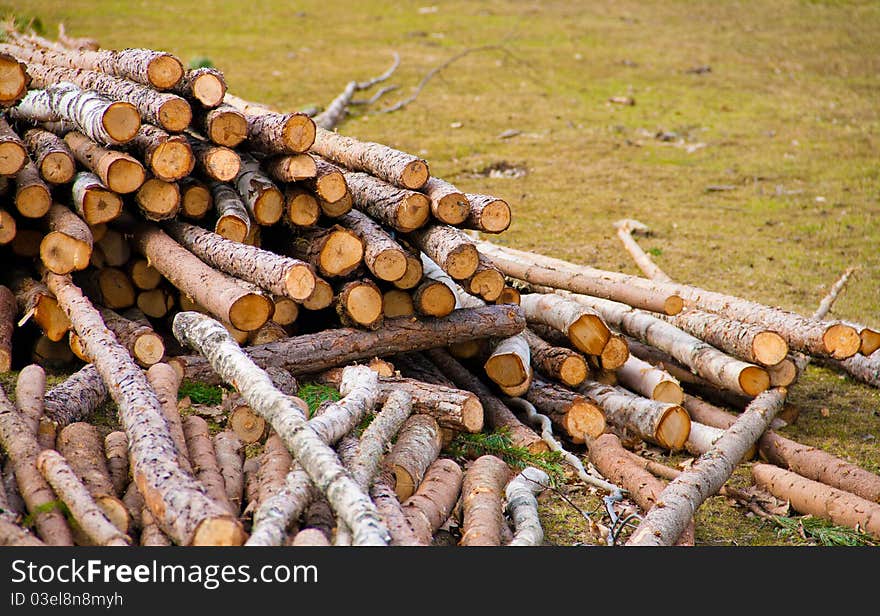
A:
{"x":433,"y":501}
{"x":76,"y":397}
{"x":583,"y":325}
{"x":522,"y":506}
{"x":51,"y":156}
{"x":482,"y":494}
{"x":398,"y":208}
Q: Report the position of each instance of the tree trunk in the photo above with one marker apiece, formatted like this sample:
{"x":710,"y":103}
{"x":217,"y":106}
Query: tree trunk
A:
{"x":230,"y":459}
{"x":865,"y":369}
{"x":583,"y":325}
{"x":448,"y":205}
{"x":573,"y":413}
{"x":646,"y":380}
{"x":333,"y":252}
{"x":286,"y":417}
{"x":224,"y":125}
{"x":359,"y":304}
{"x":522,"y":506}
{"x":482,"y":493}
{"x":163,"y":109}
{"x":82,"y":447}
{"x":116,"y":457}
{"x":383,"y":256}
{"x":176,"y":501}
{"x":398,"y":208}
{"x":205,"y":85}
{"x":219,"y":293}
{"x":451,"y":249}
{"x":215,"y":162}
{"x":263,"y":199}
{"x":433,"y":501}
{"x":165,"y":382}
{"x":138,"y":337}
{"x":204,"y":461}
{"x":814,"y":498}
{"x":417,"y":446}
{"x":169,"y":157}
{"x":50,"y":154}
{"x":13,"y":154}
{"x":67,"y":246}
{"x":100,"y":118}
{"x":32,"y":196}
{"x":663,"y":525}
{"x":30,"y":388}
{"x":554,"y":362}
{"x":487,"y":214}
{"x":275,"y":273}
{"x":21,"y":447}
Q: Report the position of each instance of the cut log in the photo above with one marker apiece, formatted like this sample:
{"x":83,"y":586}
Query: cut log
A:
{"x":481,"y":495}
{"x":14,"y":79}
{"x":784,"y":373}
{"x":30,"y":390}
{"x":155,"y":303}
{"x":68,"y":244}
{"x":497,"y":416}
{"x":573,"y":413}
{"x":417,"y":446}
{"x":286,"y":310}
{"x":164,"y":109}
{"x":412,"y":277}
{"x":275,"y":464}
{"x":814,"y":498}
{"x":554,"y":362}
{"x":397,"y":303}
{"x":82,"y":447}
{"x":7,"y":326}
{"x":108,"y":285}
{"x":275,"y":273}
{"x":177,"y":503}
{"x":487,"y":281}
{"x":169,"y":157}
{"x":509,"y":295}
{"x":285,"y":414}
{"x":32,"y":195}
{"x":667,"y":425}
{"x":217,"y":292}
{"x":614,"y":354}
{"x":11,"y":534}
{"x":653,"y":383}
{"x":449,"y":248}
{"x":433,"y":501}
{"x":233,"y":221}
{"x":93,"y":200}
{"x":330,"y":188}
{"x":487,"y":214}
{"x":448,"y":205}
{"x":145,"y":345}
{"x":76,"y":397}
{"x":263,"y":199}
{"x":224,"y":125}
{"x":116,"y":457}
{"x":615,"y":463}
{"x":359,"y":304}
{"x":433,"y":298}
{"x":383,"y":256}
{"x":195,"y":198}
{"x":7,"y":227}
{"x":204,"y":461}
{"x":398,"y":208}
{"x":664,"y":524}
{"x":321,"y":297}
{"x":215,"y":162}
{"x":333,"y":252}
{"x":157,"y":199}
{"x":21,"y":447}
{"x":95,"y":115}
{"x":291,"y":167}
{"x":509,"y":364}
{"x":230,"y":459}
{"x":205,"y":85}
{"x":166,"y":383}
{"x":269,"y":332}
{"x":301,"y":208}
{"x":50,"y":154}
{"x":342,"y":346}
{"x":584,"y":326}
{"x":716,"y":367}
{"x":13,"y":154}
{"x":90,"y":519}
{"x":522,"y":506}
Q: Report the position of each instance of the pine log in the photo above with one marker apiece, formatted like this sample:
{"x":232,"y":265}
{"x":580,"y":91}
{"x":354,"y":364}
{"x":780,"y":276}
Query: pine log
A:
{"x":664,"y":524}
{"x":7,"y":227}
{"x":217,"y":292}
{"x":32,"y":196}
{"x":138,"y":337}
{"x":398,"y":208}
{"x":205,"y":85}
{"x":784,"y":373}
{"x":13,"y":154}
{"x":50,"y":154}
{"x":448,"y":205}
{"x":108,"y":285}
{"x":82,"y":447}
{"x":95,"y":115}
{"x":653,"y":383}
{"x":482,"y":494}
{"x":382,"y":255}
{"x":330,"y":188}
{"x":169,"y":157}
{"x":94,"y":201}
{"x":21,"y":447}
{"x":359,"y":304}
{"x":433,"y":501}
{"x":449,"y":248}
{"x":215,"y":162}
{"x":224,"y":125}
{"x":291,"y":167}
{"x":177,"y":503}
{"x":233,"y":221}
{"x":573,"y":413}
{"x":509,"y":295}
{"x":285,"y":414}
{"x":116,"y":458}
{"x":76,"y":397}
{"x":342,"y":346}
{"x":163,"y":109}
{"x":321,"y":297}
{"x":397,"y":303}
{"x":487,"y":281}
{"x":195,"y":198}
{"x":554,"y":362}
{"x":814,"y":498}
{"x":433,"y":298}
{"x":263,"y":199}
{"x":584,"y":326}
{"x":14,"y":79}
{"x":487,"y":214}
{"x":417,"y":446}
{"x":301,"y":208}
{"x":333,"y":252}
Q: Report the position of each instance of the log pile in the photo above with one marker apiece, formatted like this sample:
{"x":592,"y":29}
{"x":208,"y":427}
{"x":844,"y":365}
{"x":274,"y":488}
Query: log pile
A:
{"x":158,"y":228}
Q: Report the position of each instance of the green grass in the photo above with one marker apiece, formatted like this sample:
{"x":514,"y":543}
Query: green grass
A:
{"x":788,"y":115}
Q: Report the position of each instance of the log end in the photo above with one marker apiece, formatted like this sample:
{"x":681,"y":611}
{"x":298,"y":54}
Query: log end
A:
{"x":783,"y":374}
{"x":209,"y":89}
{"x":149,"y":349}
{"x":342,"y":253}
{"x":363,"y":304}
{"x":246,"y":424}
{"x":101,"y":206}
{"x":121,"y":121}
{"x":668,"y":391}
{"x":228,"y":129}
{"x":62,"y":254}
{"x":390,"y":265}
{"x":841,"y":341}
{"x":404,"y":484}
{"x":299,"y":132}
{"x":231,"y":228}
{"x":753,"y":380}
{"x":321,"y":297}
{"x":462,"y":261}
{"x":415,"y":174}
{"x":507,"y":369}
{"x":33,"y":201}
{"x":125,"y":175}
{"x":250,"y":312}
{"x":12,"y":158}
{"x":495,"y":217}
{"x":435,"y":299}
{"x":301,"y":208}
{"x":158,"y":199}
{"x":414,"y":211}
{"x":870,"y":341}
{"x":195,"y":201}
{"x":300,"y":281}
{"x":769,"y":348}
{"x":672,"y":305}
{"x":269,"y":207}
{"x":413,"y":274}
{"x":223,"y":164}
{"x":172,"y":160}
{"x":175,"y":115}
{"x":589,"y":334}
{"x":13,"y":80}
{"x":451,"y":209}
{"x":472,"y":415}
{"x":57,"y":168}
{"x":509,"y":295}
{"x":673,"y":428}
{"x":573,"y":370}
{"x":164,"y":71}
{"x":584,"y":419}
{"x":614,"y":353}
{"x":115,"y":511}
{"x":488,"y":284}
{"x":219,"y":531}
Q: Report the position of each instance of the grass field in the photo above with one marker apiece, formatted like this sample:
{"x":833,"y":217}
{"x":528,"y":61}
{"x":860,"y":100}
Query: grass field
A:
{"x":776,"y":102}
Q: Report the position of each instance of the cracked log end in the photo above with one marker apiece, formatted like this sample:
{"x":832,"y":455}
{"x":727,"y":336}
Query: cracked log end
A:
{"x":673,"y":428}
{"x":164,"y":71}
{"x":754,"y":380}
{"x":63,"y":254}
{"x":250,"y":312}
{"x":507,"y":369}
{"x":175,"y":115}
{"x":413,"y":213}
{"x":769,"y":348}
{"x":57,"y":168}
{"x":488,"y":284}
{"x":12,"y":157}
{"x":301,"y":208}
{"x":299,"y":132}
{"x":614,"y":353}
{"x":219,"y":531}
{"x":589,"y":334}
{"x":668,"y":391}
{"x":462,"y":261}
{"x":413,"y":274}
{"x":841,"y":341}
{"x":415,"y":174}
{"x":158,"y":199}
{"x":100,"y":206}
{"x":300,"y":282}
{"x":321,"y":297}
{"x":495,"y":216}
{"x":172,"y":160}
{"x":121,"y":121}
{"x":342,"y":253}
{"x":452,"y":208}
{"x":228,"y":129}
{"x":124,"y":176}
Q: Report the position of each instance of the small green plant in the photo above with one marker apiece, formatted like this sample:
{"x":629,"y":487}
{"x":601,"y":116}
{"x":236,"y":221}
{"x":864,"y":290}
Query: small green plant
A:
{"x":200,"y":393}
{"x":201,"y":62}
{"x":825,"y":533}
{"x":28,"y":521}
{"x":469,"y":446}
{"x":315,"y":394}
{"x":655,"y":251}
